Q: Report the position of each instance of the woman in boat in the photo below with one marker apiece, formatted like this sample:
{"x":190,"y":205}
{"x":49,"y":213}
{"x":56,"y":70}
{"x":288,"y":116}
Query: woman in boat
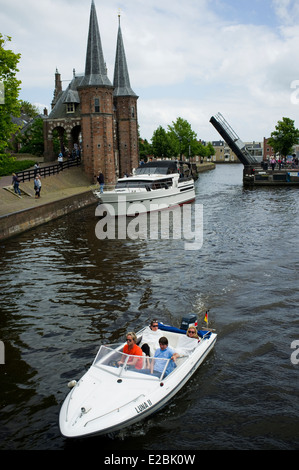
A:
{"x":132,"y":349}
{"x":192,"y":332}
{"x":150,"y":340}
{"x":150,"y":337}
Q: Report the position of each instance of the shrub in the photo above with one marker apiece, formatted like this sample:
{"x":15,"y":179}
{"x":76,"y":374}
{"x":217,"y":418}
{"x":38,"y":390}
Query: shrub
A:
{"x":9,"y":165}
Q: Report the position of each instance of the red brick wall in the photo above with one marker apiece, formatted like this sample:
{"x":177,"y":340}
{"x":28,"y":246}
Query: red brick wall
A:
{"x":97,"y":132}
{"x":127,"y":133}
{"x":110,"y":136}
{"x":268,"y":150}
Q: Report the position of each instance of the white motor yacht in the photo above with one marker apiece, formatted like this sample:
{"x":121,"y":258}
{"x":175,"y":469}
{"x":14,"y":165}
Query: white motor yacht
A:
{"x":155,"y":185}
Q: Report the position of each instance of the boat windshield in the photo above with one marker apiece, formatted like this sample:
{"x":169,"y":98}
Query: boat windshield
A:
{"x":148,"y":185}
{"x":113,"y":360}
{"x":153,"y":170}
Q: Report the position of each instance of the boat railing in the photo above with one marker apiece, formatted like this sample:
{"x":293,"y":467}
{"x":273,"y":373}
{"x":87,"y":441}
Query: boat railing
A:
{"x":206,"y":334}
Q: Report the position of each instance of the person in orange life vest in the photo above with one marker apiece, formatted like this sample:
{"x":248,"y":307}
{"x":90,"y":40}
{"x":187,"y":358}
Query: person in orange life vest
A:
{"x":132,"y":349}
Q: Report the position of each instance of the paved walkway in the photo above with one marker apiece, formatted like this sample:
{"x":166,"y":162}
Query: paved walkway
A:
{"x":67,"y":183}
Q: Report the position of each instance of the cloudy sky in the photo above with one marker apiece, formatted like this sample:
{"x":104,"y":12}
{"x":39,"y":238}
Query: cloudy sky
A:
{"x":188,"y":59}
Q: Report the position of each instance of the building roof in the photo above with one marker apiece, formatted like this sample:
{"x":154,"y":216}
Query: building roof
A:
{"x":95,"y":72}
{"x":217,"y":143}
{"x":70,"y":95}
{"x":95,"y":66}
{"x":121,"y":80}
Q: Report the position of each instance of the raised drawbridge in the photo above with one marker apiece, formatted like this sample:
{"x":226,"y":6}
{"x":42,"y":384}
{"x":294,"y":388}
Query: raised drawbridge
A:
{"x":233,"y":140}
{"x":255,"y":173}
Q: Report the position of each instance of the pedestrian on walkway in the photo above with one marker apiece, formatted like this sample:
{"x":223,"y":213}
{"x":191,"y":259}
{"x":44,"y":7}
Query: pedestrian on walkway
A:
{"x":60,"y":160}
{"x":16,"y":183}
{"x":36,"y":169}
{"x":101,"y":181}
{"x":37,"y":186}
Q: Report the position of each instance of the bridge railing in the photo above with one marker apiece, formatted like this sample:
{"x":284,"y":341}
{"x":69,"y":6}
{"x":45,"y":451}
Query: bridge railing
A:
{"x":45,"y":171}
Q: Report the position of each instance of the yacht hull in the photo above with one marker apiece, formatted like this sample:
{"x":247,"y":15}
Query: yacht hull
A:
{"x":131,"y":203}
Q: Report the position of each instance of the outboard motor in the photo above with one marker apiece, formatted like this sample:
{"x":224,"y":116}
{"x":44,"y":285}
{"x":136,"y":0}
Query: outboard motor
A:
{"x":188,"y":320}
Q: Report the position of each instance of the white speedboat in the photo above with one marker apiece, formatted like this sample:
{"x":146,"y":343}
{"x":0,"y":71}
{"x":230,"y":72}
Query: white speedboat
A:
{"x":155,"y":185}
{"x":108,"y":398}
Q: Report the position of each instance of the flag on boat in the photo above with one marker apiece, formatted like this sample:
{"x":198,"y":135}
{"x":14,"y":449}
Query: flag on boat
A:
{"x":206,"y":317}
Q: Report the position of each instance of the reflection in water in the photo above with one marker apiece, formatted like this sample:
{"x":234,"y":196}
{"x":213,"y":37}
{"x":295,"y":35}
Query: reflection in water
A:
{"x":64,"y":292}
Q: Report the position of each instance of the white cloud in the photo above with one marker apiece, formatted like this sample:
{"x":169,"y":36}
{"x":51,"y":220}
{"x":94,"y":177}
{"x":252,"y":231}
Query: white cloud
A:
{"x":287,"y":11}
{"x":188,"y":59}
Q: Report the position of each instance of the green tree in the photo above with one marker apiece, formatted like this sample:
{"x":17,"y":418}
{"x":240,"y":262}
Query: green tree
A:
{"x":210,"y":151}
{"x":29,"y":109}
{"x":284,"y":137}
{"x":11,"y":106}
{"x":161,"y":143}
{"x":201,"y":150}
{"x":32,"y":139}
{"x":182,"y":138}
{"x":145,"y":149}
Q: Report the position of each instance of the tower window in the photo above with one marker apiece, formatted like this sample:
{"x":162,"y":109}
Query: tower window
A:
{"x":132,"y":111}
{"x":96,"y":105}
{"x":70,"y":108}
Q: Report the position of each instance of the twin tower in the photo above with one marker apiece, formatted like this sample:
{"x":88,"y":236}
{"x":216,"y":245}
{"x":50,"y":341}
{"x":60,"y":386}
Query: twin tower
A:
{"x":96,"y":115}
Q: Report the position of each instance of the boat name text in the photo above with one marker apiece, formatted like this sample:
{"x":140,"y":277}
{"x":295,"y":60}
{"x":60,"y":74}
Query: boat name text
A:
{"x":143,"y":406}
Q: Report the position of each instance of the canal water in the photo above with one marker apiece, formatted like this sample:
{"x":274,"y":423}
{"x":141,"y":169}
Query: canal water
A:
{"x":64,"y":292}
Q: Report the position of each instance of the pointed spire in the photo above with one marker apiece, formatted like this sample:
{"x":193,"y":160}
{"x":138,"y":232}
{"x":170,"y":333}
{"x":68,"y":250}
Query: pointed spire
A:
{"x":121,"y":80}
{"x":95,"y":67}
